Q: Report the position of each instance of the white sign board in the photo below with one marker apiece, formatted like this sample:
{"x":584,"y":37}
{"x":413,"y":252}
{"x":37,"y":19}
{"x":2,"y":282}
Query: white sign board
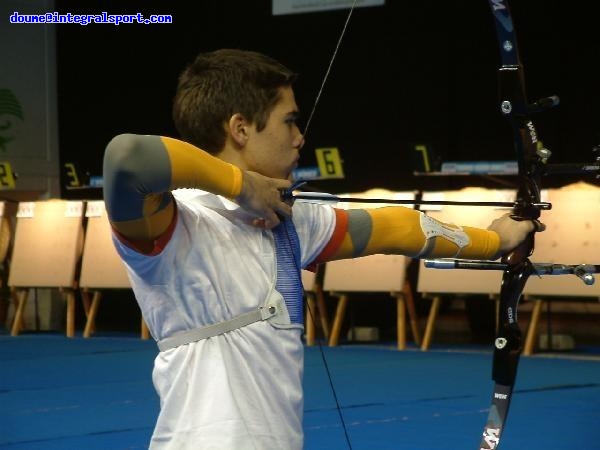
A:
{"x":281,"y":7}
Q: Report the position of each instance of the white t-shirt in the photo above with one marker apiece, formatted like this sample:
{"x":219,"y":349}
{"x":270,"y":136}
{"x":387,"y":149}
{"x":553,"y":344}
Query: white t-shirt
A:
{"x":239,"y":390}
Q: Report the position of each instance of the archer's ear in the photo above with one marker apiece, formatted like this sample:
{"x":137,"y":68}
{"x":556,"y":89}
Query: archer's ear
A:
{"x":238,"y":129}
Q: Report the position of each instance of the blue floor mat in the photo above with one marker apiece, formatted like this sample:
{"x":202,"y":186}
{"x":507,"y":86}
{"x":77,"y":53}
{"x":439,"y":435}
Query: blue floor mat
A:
{"x":58,"y":393}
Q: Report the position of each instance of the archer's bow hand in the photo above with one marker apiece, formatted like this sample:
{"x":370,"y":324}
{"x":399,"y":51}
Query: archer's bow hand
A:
{"x":513,"y":232}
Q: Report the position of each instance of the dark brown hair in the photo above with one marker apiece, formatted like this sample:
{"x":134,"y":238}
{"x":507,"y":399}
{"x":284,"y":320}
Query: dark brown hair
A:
{"x":220,"y":84}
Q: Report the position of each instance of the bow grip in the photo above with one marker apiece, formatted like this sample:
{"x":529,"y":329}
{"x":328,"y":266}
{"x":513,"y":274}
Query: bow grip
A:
{"x":521,"y":252}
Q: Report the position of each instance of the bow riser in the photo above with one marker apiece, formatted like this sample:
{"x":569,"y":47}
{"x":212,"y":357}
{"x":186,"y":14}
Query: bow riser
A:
{"x":515,"y":107}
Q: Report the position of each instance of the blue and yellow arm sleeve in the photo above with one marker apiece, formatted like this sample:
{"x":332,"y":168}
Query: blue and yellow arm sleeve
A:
{"x":139,"y":173}
{"x":404,"y":231}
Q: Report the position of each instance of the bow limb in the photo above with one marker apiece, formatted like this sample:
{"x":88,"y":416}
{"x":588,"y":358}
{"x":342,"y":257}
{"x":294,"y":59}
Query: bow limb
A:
{"x":514,"y":106}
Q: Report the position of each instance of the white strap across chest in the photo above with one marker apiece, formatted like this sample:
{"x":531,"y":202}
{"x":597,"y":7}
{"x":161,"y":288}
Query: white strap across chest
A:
{"x":215,"y":329}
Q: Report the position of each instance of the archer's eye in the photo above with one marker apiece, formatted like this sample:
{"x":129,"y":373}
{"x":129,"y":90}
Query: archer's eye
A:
{"x":292,"y":119}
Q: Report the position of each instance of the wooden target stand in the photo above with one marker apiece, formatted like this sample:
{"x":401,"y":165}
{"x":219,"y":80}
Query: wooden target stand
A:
{"x":371,"y":274}
{"x":101,"y":266}
{"x":316,"y":308}
{"x":47,"y":249}
{"x":569,"y":238}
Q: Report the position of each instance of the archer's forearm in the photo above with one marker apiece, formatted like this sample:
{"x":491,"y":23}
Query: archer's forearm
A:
{"x":399,"y":230}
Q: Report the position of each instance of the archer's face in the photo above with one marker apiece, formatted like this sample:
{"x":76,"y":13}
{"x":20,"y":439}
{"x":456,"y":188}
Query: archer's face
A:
{"x":275,"y":150}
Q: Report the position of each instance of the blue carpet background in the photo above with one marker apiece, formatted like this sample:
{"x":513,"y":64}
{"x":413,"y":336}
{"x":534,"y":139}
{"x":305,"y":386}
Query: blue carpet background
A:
{"x":58,"y":393}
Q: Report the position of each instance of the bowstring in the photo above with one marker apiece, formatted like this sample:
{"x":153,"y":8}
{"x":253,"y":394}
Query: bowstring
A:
{"x":308,"y":308}
{"x":322,"y":352}
{"x":331,"y":61}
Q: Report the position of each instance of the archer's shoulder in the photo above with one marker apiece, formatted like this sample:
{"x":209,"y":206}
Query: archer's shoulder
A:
{"x":312,"y":213}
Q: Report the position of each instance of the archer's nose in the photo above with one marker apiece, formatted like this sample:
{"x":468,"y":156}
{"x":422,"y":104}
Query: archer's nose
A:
{"x":299,"y":142}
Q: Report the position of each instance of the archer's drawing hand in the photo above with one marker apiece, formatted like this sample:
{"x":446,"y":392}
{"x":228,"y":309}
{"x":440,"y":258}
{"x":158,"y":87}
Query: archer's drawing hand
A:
{"x":513,"y":232}
{"x":261,"y":196}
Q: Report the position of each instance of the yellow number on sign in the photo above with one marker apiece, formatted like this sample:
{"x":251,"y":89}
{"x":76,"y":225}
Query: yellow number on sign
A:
{"x":73,"y":179}
{"x":7,"y":181}
{"x":330,"y":164}
{"x":423,"y":150}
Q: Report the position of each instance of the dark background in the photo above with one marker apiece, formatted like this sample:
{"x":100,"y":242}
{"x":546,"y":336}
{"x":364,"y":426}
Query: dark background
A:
{"x":408,"y":72}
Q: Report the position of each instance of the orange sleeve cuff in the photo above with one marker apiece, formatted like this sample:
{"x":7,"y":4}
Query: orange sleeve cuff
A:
{"x":339,"y":232}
